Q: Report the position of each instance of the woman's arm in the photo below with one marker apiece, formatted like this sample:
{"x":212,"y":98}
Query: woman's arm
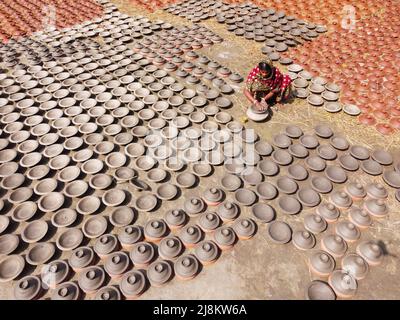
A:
{"x":249,"y":96}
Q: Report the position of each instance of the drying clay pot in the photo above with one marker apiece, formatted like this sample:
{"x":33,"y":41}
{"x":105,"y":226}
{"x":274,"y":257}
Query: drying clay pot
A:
{"x":69,"y":239}
{"x":146,"y":202}
{"x":186,"y":267}
{"x":170,"y":248}
{"x":91,"y":279}
{"x":282,"y":141}
{"x":376,"y":207}
{"x":376,"y":190}
{"x":20,"y":195}
{"x":100,"y":181}
{"x":371,"y":167}
{"x":268,"y":167}
{"x":297,"y":172}
{"x":308,"y":197}
{"x":359,"y":152}
{"x":28,"y":288}
{"x":64,"y":218}
{"x":231,"y":182}
{"x":34,"y":231}
{"x":81,"y":258}
{"x":263,"y":148}
{"x":8,"y":243}
{"x":328,"y":211}
{"x":54,"y":273}
{"x":309,"y":141}
{"x":315,"y":163}
{"x":24,"y":211}
{"x":347,"y":230}
{"x":266,"y":191}
{"x":155,"y":230}
{"x":355,"y":190}
{"x":88,"y":205}
{"x":159,"y":273}
{"x":282,"y":157}
{"x":321,"y":263}
{"x":11,"y":267}
{"x":289,"y":205}
{"x":326,"y":152}
{"x":383,"y":157}
{"x":293,"y":131}
{"x":167,"y":191}
{"x":66,"y":291}
{"x":334,"y":245}
{"x":335,"y":174}
{"x":213,"y":196}
{"x":263,"y":212}
{"x":194,"y":206}
{"x":392,"y":178}
{"x":225,"y":237}
{"x":286,"y":185}
{"x":360,"y":217}
{"x":108,"y":293}
{"x":106,"y":244}
{"x":209,"y":221}
{"x":244,"y":228}
{"x":339,"y":143}
{"x":94,"y":227}
{"x":321,"y":184}
{"x":190,"y":235}
{"x":207,"y":252}
{"x":133,"y":284}
{"x":175,"y":218}
{"x":355,"y":265}
{"x":279,"y":232}
{"x":142,"y":254}
{"x":341,"y":199}
{"x":122,"y":216}
{"x":370,"y":252}
{"x":298,"y":151}
{"x":348,"y":162}
{"x":319,"y":290}
{"x":314,"y":223}
{"x":116,"y":264}
{"x":344,"y":285}
{"x":323,"y":131}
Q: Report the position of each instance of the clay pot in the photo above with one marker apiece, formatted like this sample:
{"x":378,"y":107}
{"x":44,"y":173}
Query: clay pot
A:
{"x":169,"y":248}
{"x":133,"y":284}
{"x":279,"y":232}
{"x":194,"y":206}
{"x":315,"y":223}
{"x":105,"y":245}
{"x":91,"y":279}
{"x":319,"y":290}
{"x":190,"y":235}
{"x":116,"y":264}
{"x":186,"y":267}
{"x":11,"y":267}
{"x":207,"y":252}
{"x":355,"y":265}
{"x":28,"y":288}
{"x":344,"y":285}
{"x":334,"y":245}
{"x":81,"y":258}
{"x":321,"y":263}
{"x":66,"y":291}
{"x":159,"y":273}
{"x":142,"y":254}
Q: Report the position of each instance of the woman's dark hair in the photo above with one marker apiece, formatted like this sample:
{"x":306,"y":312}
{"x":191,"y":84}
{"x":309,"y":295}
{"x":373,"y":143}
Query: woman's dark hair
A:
{"x":264,"y":66}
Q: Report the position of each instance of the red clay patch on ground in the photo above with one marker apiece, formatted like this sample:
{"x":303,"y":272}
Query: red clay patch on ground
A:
{"x":22,"y":17}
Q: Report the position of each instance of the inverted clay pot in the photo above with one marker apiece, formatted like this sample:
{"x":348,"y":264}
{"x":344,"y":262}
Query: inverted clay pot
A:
{"x":371,"y":252}
{"x":321,"y":263}
{"x":334,"y":245}
{"x":355,"y":265}
{"x":344,"y":285}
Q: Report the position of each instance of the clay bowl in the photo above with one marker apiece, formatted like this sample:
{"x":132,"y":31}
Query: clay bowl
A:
{"x":279,"y":232}
{"x":8,"y":243}
{"x":40,"y":253}
{"x":94,"y":227}
{"x":319,"y":290}
{"x":34,"y":231}
{"x":392,"y":178}
{"x":11,"y":267}
{"x":64,"y":218}
{"x":167,"y":191}
{"x":245,"y":197}
{"x":146,"y":202}
{"x":186,"y":179}
{"x":88,"y":205}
